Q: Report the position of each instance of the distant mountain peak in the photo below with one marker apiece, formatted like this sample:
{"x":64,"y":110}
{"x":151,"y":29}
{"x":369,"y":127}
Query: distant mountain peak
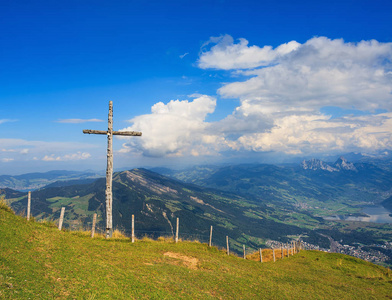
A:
{"x":343,"y":164}
{"x":316,"y":164}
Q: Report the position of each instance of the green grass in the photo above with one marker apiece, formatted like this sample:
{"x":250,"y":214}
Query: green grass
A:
{"x":37,"y":261}
{"x":80,"y":204}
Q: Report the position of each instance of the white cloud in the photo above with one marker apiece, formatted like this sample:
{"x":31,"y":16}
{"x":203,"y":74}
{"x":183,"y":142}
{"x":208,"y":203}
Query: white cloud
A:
{"x":280,"y":97}
{"x":6,"y":120}
{"x":173,"y":128}
{"x":74,"y":156}
{"x":7,"y":160}
{"x":22,"y":150}
{"x":78,"y":121}
{"x":318,"y":73}
{"x":183,"y":55}
{"x":51,"y":158}
{"x":228,"y":55}
{"x":280,"y":102}
{"x":309,"y":134}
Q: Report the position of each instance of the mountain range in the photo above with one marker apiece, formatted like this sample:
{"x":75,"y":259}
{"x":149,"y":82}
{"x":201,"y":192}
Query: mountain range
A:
{"x":32,"y":181}
{"x":156,"y":201}
{"x":316,"y":186}
{"x":249,"y":203}
{"x":339,"y":165}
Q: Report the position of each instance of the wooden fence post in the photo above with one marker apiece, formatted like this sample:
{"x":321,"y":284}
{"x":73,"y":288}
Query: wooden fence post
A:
{"x":177,"y":226}
{"x":243,"y":246}
{"x":273,"y":253}
{"x":28,"y":205}
{"x":261,"y":255}
{"x":93,"y":227}
{"x":210,"y":244}
{"x":61,"y":218}
{"x":133,"y":229}
{"x":227,"y":244}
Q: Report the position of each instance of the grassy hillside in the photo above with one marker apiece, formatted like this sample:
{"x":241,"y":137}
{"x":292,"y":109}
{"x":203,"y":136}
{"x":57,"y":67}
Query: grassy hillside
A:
{"x":39,"y":262}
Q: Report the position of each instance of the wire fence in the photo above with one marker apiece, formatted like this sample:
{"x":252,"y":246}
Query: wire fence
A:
{"x":78,"y":222}
{"x":85,"y":222}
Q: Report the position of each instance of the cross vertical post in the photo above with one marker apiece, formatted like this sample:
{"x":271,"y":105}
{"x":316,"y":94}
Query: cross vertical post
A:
{"x":109,"y":174}
{"x":109,"y":168}
{"x":28,"y":205}
{"x":210,"y":243}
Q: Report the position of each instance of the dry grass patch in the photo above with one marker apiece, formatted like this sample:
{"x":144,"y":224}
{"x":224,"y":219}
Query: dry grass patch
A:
{"x":166,"y":239}
{"x":190,"y":262}
{"x":117,"y":234}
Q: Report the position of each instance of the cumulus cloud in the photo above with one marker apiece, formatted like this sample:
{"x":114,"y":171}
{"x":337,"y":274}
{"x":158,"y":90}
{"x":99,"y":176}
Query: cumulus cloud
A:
{"x":309,"y":134}
{"x":285,"y":88}
{"x":172,"y":128}
{"x":318,"y":73}
{"x":227,"y":55}
{"x":281,"y":93}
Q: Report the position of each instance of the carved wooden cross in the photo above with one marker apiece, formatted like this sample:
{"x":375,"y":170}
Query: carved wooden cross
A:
{"x":109,"y":168}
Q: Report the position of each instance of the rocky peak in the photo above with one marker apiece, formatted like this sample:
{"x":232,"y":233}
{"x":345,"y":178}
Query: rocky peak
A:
{"x":316,"y":164}
{"x":343,"y":164}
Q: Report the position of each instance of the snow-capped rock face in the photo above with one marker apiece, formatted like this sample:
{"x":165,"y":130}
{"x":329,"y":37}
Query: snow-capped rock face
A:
{"x":316,"y":164}
{"x":339,"y":165}
{"x":343,"y":164}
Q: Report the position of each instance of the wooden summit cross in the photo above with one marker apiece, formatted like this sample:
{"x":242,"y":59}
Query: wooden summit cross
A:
{"x":109,"y":168}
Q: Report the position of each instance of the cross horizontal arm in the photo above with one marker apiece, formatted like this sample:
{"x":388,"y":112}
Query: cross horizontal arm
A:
{"x":126,"y":133}
{"x":89,"y":131}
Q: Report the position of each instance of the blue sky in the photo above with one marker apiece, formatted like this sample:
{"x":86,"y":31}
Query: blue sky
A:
{"x":206,"y":81}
